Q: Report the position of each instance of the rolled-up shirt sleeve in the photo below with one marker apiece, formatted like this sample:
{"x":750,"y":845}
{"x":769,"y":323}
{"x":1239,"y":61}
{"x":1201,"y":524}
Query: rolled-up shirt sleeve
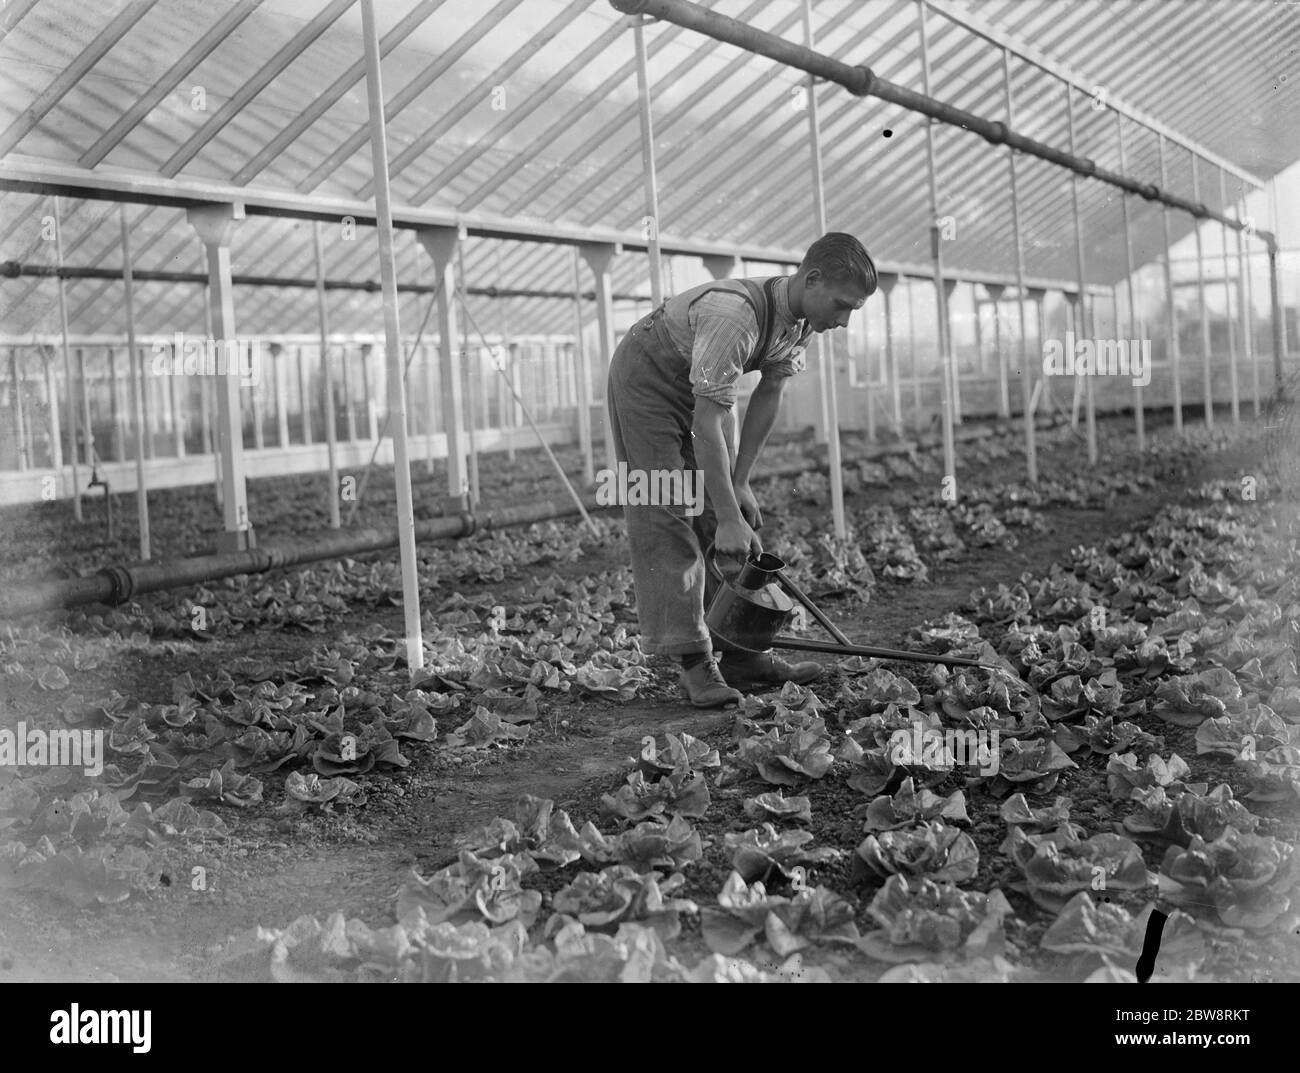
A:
{"x":725,"y":335}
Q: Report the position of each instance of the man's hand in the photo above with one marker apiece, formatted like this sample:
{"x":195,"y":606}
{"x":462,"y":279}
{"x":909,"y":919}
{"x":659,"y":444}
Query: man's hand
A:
{"x":748,"y":504}
{"x":736,"y":540}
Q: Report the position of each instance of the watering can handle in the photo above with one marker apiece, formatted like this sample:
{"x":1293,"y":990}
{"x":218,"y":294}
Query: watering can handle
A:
{"x":711,"y":564}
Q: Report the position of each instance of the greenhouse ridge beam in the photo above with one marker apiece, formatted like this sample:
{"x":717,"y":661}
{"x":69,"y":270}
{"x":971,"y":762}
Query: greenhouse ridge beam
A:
{"x":862,"y":82}
{"x":33,"y":176}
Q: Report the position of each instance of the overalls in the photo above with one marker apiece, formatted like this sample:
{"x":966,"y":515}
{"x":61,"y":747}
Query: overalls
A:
{"x":651,"y":411}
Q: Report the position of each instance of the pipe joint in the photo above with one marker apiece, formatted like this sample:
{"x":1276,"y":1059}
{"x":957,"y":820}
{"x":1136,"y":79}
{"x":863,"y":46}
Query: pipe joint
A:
{"x":863,"y":81}
{"x":121,"y":583}
{"x":997,"y":133}
{"x":469,"y":523}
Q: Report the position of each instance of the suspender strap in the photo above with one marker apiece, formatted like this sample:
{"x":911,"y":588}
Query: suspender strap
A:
{"x":762,"y":299}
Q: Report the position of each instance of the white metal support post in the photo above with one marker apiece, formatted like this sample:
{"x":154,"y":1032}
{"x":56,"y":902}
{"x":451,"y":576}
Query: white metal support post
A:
{"x":1244,"y":301}
{"x":948,"y":377}
{"x":888,"y":281}
{"x":52,"y":413}
{"x":1233,"y":386}
{"x":650,"y":225}
{"x":215,"y":225}
{"x":392,"y":343}
{"x":583,"y":364}
{"x":136,"y":366}
{"x":1207,"y":369}
{"x":825,"y":352}
{"x":73,"y":423}
{"x":1028,"y":398}
{"x":1139,"y":417}
{"x":600,"y":257}
{"x":1081,"y":319}
{"x":1171,"y":310}
{"x":441,"y":244}
{"x":281,"y":371}
{"x":327,"y":386}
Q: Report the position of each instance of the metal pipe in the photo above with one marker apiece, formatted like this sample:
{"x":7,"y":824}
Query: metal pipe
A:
{"x":136,"y":365}
{"x":863,"y":82}
{"x":16,"y":269}
{"x":1026,"y":376}
{"x":392,"y":341}
{"x":1139,"y":422}
{"x":67,"y":367}
{"x":947,"y":379}
{"x":651,"y":224}
{"x":117,"y":583}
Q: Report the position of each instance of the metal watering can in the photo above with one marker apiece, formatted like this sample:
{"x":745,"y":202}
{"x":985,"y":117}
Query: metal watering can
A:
{"x":752,"y":606}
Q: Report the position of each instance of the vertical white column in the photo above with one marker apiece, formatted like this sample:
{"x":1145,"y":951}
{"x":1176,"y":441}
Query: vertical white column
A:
{"x":1139,"y":417}
{"x":441,"y":244}
{"x":599,"y":257}
{"x":327,"y":386}
{"x":1081,"y":320}
{"x":650,"y":225}
{"x":215,"y":225}
{"x":948,"y":377}
{"x":825,"y":354}
{"x":583,"y":373}
{"x":1207,"y":369}
{"x":1171,"y":312}
{"x":1233,"y":387}
{"x":137,"y":390}
{"x":278,"y":360}
{"x":73,"y":430}
{"x":392,"y":343}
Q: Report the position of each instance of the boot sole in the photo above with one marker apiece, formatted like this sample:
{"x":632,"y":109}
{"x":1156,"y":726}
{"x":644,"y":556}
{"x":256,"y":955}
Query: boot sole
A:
{"x":712,"y":704}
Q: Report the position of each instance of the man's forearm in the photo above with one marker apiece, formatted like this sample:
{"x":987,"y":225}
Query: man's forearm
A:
{"x":760,"y":419}
{"x":714,"y":458}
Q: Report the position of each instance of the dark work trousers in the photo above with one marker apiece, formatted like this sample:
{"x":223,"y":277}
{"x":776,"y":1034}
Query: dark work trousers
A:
{"x":651,"y":410}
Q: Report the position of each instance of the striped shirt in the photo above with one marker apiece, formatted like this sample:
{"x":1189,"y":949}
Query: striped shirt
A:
{"x":720,"y":331}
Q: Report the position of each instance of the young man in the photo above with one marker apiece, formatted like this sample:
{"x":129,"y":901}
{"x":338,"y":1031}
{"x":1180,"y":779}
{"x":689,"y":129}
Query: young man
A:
{"x":672,"y":389}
